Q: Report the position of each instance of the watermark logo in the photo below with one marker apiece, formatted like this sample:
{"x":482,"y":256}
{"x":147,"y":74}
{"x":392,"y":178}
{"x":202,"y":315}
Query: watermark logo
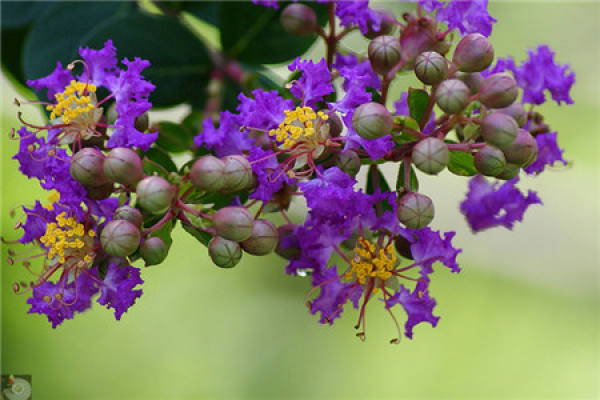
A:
{"x":15,"y":387}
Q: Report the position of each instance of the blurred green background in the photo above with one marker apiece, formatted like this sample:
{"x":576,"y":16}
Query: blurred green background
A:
{"x":520,"y":322}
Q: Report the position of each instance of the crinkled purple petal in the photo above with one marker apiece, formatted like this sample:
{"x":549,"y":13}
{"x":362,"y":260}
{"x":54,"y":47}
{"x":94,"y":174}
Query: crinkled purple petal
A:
{"x":376,"y":148}
{"x":356,"y":72}
{"x":357,"y":12}
{"x":118,"y":291}
{"x":418,"y":306}
{"x":548,"y":153}
{"x":102,"y":64}
{"x":266,"y":171}
{"x":467,"y":16}
{"x":431,"y":5}
{"x":333,"y":295}
{"x":429,"y":246}
{"x":225,"y":140}
{"x":267,"y":3}
{"x":401,"y":106}
{"x":264,"y":111}
{"x":54,"y":83}
{"x":315,"y":82}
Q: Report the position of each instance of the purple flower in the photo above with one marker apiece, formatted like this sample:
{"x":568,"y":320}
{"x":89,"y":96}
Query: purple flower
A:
{"x":118,"y":291}
{"x":429,"y":247}
{"x":266,"y":170}
{"x":467,"y":17}
{"x":501,"y":65}
{"x":315,"y":82}
{"x":225,"y":140}
{"x":267,"y":3}
{"x":488,"y":205}
{"x":357,"y":12}
{"x":54,"y":83}
{"x":102,"y":64}
{"x":355,"y":72}
{"x":548,"y":153}
{"x":431,"y":5}
{"x":334,"y":294}
{"x":418,"y":306}
{"x":376,"y":148}
{"x":264,"y":111}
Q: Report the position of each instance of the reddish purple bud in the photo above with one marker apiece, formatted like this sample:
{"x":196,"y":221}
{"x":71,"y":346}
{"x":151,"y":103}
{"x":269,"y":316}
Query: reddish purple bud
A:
{"x":384,"y":53}
{"x":499,"y":129}
{"x":490,"y":161}
{"x":224,"y":253}
{"x":415,"y":210}
{"x":123,"y":166}
{"x":120,"y":238}
{"x":472,"y":80}
{"x":208,"y":173}
{"x":128,"y":213}
{"x":516,"y":111}
{"x":522,"y":150}
{"x":291,"y":251}
{"x":154,"y":194}
{"x":154,"y":250}
{"x":86,"y":167}
{"x":372,"y":121}
{"x":431,"y":68}
{"x":233,"y":223}
{"x":263,"y":240}
{"x":452,"y":96}
{"x":348,"y":161}
{"x":474,"y":53}
{"x":498,"y":90}
{"x":509,"y":172}
{"x":298,"y":19}
{"x":431,"y":155}
{"x":238,"y":173}
{"x":385,"y":27}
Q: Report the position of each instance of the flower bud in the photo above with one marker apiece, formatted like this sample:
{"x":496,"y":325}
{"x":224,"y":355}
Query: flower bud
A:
{"x":101,"y":192}
{"x":224,"y":253}
{"x":509,"y":172}
{"x":472,"y":80}
{"x":123,"y":166}
{"x":128,"y":213}
{"x":516,"y":111}
{"x":522,"y":149}
{"x":86,"y":167}
{"x":292,"y":249}
{"x":384,"y":53}
{"x":142,"y":122}
{"x":431,"y":68}
{"x":415,"y":210}
{"x":490,"y":161}
{"x":385,"y":28}
{"x":154,"y":194}
{"x":154,"y":250}
{"x":348,"y":161}
{"x":298,"y":19}
{"x":498,"y":90}
{"x":336,"y":126}
{"x":403,"y":247}
{"x":208,"y":173}
{"x":452,"y":96}
{"x":264,"y":238}
{"x":499,"y":130}
{"x":237,"y":173}
{"x":372,"y":121}
{"x":474,"y":53}
{"x":233,"y":223}
{"x":120,"y":238}
{"x":431,"y":155}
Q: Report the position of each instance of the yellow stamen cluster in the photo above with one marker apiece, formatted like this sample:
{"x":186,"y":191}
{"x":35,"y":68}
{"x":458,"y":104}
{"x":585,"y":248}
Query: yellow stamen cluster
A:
{"x":52,"y":198}
{"x":298,"y":124}
{"x":369,"y":261}
{"x":72,"y":102}
{"x":63,"y":236}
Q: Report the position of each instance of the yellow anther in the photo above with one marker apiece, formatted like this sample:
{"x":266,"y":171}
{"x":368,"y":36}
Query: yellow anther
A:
{"x":66,"y":241}
{"x":73,"y":101}
{"x":369,"y":262}
{"x":298,"y":124}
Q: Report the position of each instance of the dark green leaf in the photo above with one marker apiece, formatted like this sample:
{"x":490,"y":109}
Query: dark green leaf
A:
{"x":173,"y":137}
{"x":462,"y":164}
{"x":17,"y":14}
{"x":414,"y":182}
{"x":207,"y":11}
{"x":201,"y":236}
{"x":12,"y":52}
{"x":417,"y":103}
{"x":375,"y":175}
{"x":157,"y":160}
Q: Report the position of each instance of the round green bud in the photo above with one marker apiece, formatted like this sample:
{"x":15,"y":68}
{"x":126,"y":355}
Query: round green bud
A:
{"x":431,"y":155}
{"x":474,"y":53}
{"x":233,"y":223}
{"x":516,"y":111}
{"x":101,"y":192}
{"x":208,"y":173}
{"x":431,"y":68}
{"x":128,"y":213}
{"x":372,"y":121}
{"x":384,"y":53}
{"x":473,"y":80}
{"x":237,"y":173}
{"x":298,"y":19}
{"x":290,"y":252}
{"x":385,"y":27}
{"x":86,"y":167}
{"x":522,"y":150}
{"x":452,"y":96}
{"x":490,"y":161}
{"x":498,"y":90}
{"x":224,"y":253}
{"x":348,"y":161}
{"x":123,"y":166}
{"x":142,"y":122}
{"x":154,"y":250}
{"x":120,"y":238}
{"x":415,"y":210}
{"x":499,"y":130}
{"x":264,"y":238}
{"x":509,"y":172}
{"x":154,"y":194}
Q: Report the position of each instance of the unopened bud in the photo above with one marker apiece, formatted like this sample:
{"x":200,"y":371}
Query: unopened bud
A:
{"x":101,"y":192}
{"x":509,"y":172}
{"x":238,"y":173}
{"x":348,"y":161}
{"x":415,"y":210}
{"x":431,"y":155}
{"x":490,"y":161}
{"x":403,"y":247}
{"x":120,"y":238}
{"x":123,"y":166}
{"x":522,"y":150}
{"x":142,"y":122}
{"x":154,"y":250}
{"x":385,"y":27}
{"x":86,"y":167}
{"x":208,"y":173}
{"x":516,"y":111}
{"x":452,"y":96}
{"x":224,"y":253}
{"x":288,"y":246}
{"x":498,"y":90}
{"x":298,"y":19}
{"x":431,"y":68}
{"x":473,"y":80}
{"x":372,"y":121}
{"x":154,"y":194}
{"x":474,"y":53}
{"x":384,"y":53}
{"x":499,"y":129}
{"x":233,"y":223}
{"x":264,"y":238}
{"x":128,"y":213}
{"x":336,"y":126}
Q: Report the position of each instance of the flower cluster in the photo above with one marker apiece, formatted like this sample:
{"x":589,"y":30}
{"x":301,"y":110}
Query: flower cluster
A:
{"x":112,"y":204}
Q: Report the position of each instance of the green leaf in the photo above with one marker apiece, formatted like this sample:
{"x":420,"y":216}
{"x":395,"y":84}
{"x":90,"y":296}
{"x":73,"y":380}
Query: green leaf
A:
{"x":201,"y":236}
{"x":375,"y":173}
{"x":157,"y":160}
{"x":164,"y":232}
{"x":253,"y":34}
{"x":173,"y":137}
{"x":17,"y":14}
{"x":414,"y":182}
{"x":462,"y":164}
{"x":417,"y":103}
